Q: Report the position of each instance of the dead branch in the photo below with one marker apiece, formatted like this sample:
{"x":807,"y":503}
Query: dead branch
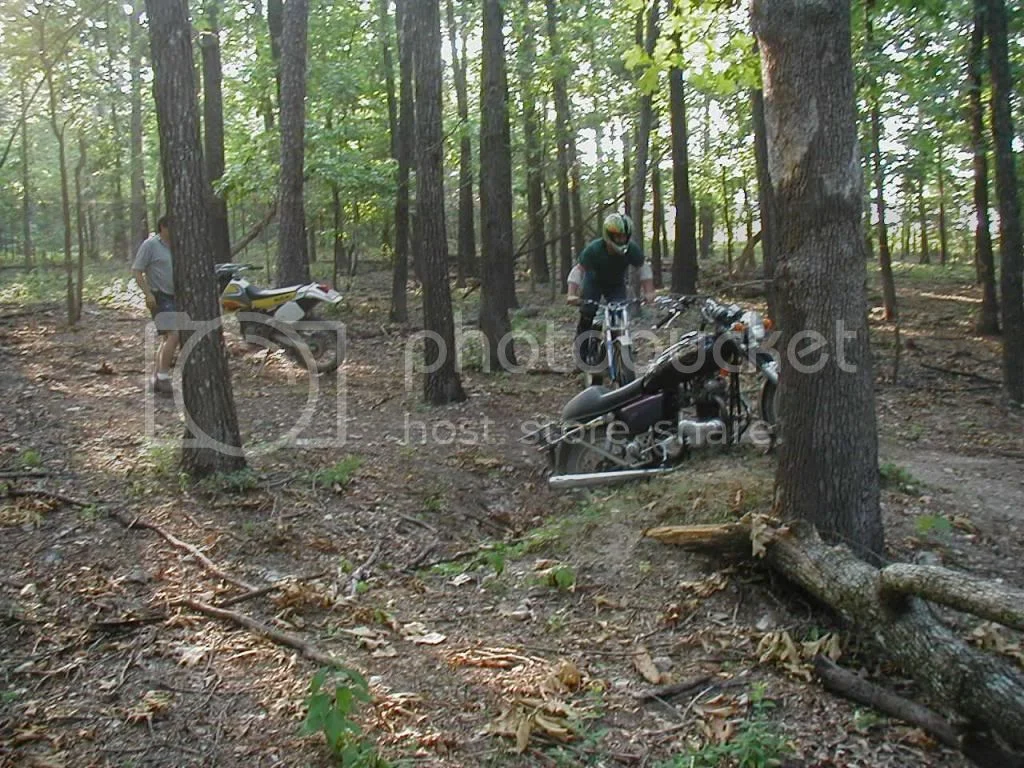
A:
{"x":253,"y":233}
{"x":961,"y":591}
{"x":203,"y":560}
{"x":70,"y":500}
{"x":849,"y":685}
{"x":728,"y":536}
{"x":270,"y":588}
{"x":954,"y":372}
{"x":984,"y":688}
{"x":667,"y":691}
{"x":363,"y":570}
{"x":18,"y":473}
{"x":276,"y":635}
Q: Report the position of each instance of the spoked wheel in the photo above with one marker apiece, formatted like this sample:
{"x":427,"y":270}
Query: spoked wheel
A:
{"x":576,"y":456}
{"x":591,"y":354}
{"x":321,"y":353}
{"x":624,"y":369}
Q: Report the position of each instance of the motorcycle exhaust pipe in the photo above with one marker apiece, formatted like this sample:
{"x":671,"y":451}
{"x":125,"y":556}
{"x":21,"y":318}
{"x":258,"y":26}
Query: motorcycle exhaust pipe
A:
{"x":591,"y":479}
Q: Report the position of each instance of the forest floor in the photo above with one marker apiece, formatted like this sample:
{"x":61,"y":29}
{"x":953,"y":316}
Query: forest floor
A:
{"x":496,"y":622}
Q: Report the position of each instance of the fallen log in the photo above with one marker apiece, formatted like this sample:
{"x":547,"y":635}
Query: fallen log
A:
{"x":255,"y":232}
{"x":984,"y":689}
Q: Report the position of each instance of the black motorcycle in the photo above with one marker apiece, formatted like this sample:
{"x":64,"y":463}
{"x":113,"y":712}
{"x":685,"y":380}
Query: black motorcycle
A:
{"x":689,"y":397}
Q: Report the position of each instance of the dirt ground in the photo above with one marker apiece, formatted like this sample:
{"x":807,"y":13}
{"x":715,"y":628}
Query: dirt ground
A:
{"x":497,"y":623}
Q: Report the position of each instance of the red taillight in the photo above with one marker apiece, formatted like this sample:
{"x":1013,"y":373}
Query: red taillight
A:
{"x":323,"y":287}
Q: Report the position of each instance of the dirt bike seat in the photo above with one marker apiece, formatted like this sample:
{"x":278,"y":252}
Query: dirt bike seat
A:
{"x":598,"y":400}
{"x":267,"y":293}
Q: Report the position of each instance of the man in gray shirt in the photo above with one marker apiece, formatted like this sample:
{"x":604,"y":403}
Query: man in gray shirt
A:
{"x":153,"y":270}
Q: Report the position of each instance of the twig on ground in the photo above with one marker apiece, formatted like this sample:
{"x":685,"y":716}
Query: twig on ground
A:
{"x":270,"y":588}
{"x":667,"y":691}
{"x":281,"y":638}
{"x":71,"y":500}
{"x":417,"y":521}
{"x":14,"y":474}
{"x":362,"y":571}
{"x":954,"y":372}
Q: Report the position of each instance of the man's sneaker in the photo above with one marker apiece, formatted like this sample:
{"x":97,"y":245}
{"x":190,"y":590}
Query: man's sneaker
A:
{"x":162,"y":386}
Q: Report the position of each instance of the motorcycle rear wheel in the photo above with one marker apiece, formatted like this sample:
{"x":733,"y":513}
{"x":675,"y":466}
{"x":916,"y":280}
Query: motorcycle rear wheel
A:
{"x":321,"y":352}
{"x":576,"y":457}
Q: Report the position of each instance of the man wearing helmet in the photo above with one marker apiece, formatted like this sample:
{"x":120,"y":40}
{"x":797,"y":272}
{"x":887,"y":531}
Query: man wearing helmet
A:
{"x":604,"y":264}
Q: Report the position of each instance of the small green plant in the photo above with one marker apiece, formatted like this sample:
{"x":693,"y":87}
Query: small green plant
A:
{"x":433,"y":502}
{"x":934,"y":524}
{"x":338,"y":475}
{"x":29,"y":459}
{"x":239,"y":481}
{"x":895,"y":476}
{"x":330,"y":712}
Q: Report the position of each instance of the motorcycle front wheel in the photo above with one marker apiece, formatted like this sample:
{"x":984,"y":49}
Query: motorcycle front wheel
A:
{"x":623,"y":360}
{"x":321,"y":351}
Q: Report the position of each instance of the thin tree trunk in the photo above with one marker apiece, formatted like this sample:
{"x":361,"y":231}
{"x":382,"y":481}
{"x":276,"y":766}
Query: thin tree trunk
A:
{"x":389,"y":74}
{"x":139,"y":225}
{"x":275,"y":25}
{"x":339,"y":256}
{"x":65,"y":202}
{"x":495,"y":189}
{"x":466,"y":245}
{"x":311,"y":232}
{"x":943,"y":234}
{"x":988,"y":319}
{"x":404,"y":149}
{"x":527,"y":63}
{"x":627,"y":166}
{"x":658,"y":223}
{"x":292,"y":259}
{"x":211,"y":442}
{"x":707,"y":229}
{"x":121,"y":242}
{"x":80,"y":225}
{"x":441,"y":382}
{"x":922,"y":216}
{"x":727,"y":215}
{"x":26,"y":190}
{"x":213,"y":129}
{"x":644,"y":123}
{"x":562,"y":133}
{"x":884,"y":257}
{"x":684,"y":256}
{"x":1010,"y":245}
{"x":828,"y":465}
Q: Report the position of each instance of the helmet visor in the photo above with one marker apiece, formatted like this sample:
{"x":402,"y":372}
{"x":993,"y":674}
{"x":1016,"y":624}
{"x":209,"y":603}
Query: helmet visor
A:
{"x":619,"y":238}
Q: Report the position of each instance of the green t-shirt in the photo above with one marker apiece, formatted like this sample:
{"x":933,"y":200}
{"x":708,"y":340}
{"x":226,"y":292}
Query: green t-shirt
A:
{"x":610,"y":268}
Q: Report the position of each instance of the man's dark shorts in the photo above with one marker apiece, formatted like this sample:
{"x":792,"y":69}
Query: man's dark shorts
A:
{"x":165,"y":313}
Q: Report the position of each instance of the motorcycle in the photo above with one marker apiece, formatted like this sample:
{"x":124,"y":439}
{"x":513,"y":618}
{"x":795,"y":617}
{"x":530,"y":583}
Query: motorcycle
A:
{"x":689,"y":397}
{"x":284,"y":316}
{"x":611,"y":335}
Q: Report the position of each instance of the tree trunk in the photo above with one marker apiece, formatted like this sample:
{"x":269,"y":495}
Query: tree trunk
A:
{"x":211,"y":442}
{"x":121,"y":242}
{"x":466,"y":262}
{"x":684,"y":256}
{"x":828,"y":464}
{"x":627,"y":165}
{"x":441,"y":382}
{"x":65,"y":202}
{"x":527,"y":64}
{"x":292,"y":259}
{"x":707,"y":230}
{"x":884,"y":256}
{"x":404,"y":148}
{"x":658,"y":223}
{"x":943,"y":234}
{"x":765,"y":197}
{"x":988,"y":319}
{"x":562,"y":135}
{"x":1010,"y":255}
{"x":922,"y":217}
{"x":275,"y":25}
{"x":80,"y":225}
{"x":311,"y":232}
{"x":26,"y":190}
{"x":495,"y":189}
{"x":338,"y":254}
{"x":727,"y":215}
{"x":213,"y":128}
{"x":389,"y":74}
{"x":644,"y":123}
{"x":139,"y":224}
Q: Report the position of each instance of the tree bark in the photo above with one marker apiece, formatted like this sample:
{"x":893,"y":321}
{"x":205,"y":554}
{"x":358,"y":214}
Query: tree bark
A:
{"x":1010,"y":245}
{"x":275,"y":25}
{"x":765,"y":198}
{"x":389,"y":74}
{"x":527,"y":64}
{"x":26,"y":190}
{"x":562,"y":136}
{"x":495,"y":189}
{"x":80,"y":224}
{"x":644,"y":123}
{"x":658,"y":222}
{"x":441,"y":382}
{"x":213,"y":129}
{"x":121,"y":242}
{"x":466,"y":260}
{"x":988,"y":319}
{"x":211,"y":442}
{"x":684,"y":256}
{"x":706,"y":215}
{"x":922,"y":216}
{"x":727,"y":215}
{"x":65,"y":202}
{"x":404,"y":149}
{"x":828,"y":464}
{"x":292,"y":259}
{"x":884,"y":255}
{"x":627,"y":165}
{"x":943,"y":234}
{"x":139,"y":224}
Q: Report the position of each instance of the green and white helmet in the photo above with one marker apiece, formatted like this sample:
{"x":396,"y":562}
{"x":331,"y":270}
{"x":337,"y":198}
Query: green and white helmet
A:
{"x":618,"y":228}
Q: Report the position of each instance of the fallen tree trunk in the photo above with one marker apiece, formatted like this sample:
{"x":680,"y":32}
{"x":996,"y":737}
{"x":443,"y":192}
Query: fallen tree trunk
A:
{"x":255,"y":232}
{"x":986,"y":690}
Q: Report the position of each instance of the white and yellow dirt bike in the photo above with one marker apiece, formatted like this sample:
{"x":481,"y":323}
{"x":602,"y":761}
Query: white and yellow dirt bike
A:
{"x":285,"y":317}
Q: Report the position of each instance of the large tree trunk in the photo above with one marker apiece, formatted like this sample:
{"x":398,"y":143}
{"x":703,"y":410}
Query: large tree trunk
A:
{"x":658,"y":222}
{"x":527,"y":64}
{"x":495,"y":189}
{"x":884,"y":256}
{"x":65,"y":202}
{"x":466,"y":262}
{"x":292,"y":259}
{"x":211,"y":442}
{"x":988,"y":319}
{"x":828,"y":465}
{"x":404,"y":148}
{"x":1010,"y":254}
{"x":136,"y":161}
{"x":26,"y":190}
{"x":441,"y":382}
{"x":643,"y":145}
{"x":684,"y":256}
{"x":562,"y":134}
{"x":765,"y":198}
{"x":213,"y":128}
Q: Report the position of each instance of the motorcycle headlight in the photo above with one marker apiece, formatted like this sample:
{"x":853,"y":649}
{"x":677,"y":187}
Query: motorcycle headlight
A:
{"x":755,"y":324}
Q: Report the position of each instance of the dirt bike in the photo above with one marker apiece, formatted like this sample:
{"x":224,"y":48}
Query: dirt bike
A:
{"x":607,"y":352}
{"x":284,"y":317}
{"x":689,"y":397}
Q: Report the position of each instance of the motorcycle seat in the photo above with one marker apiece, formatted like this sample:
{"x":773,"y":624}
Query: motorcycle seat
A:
{"x":267,"y":293}
{"x":598,"y":400}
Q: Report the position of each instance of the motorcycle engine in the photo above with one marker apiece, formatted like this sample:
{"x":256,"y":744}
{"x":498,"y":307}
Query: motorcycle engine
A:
{"x":710,"y":400}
